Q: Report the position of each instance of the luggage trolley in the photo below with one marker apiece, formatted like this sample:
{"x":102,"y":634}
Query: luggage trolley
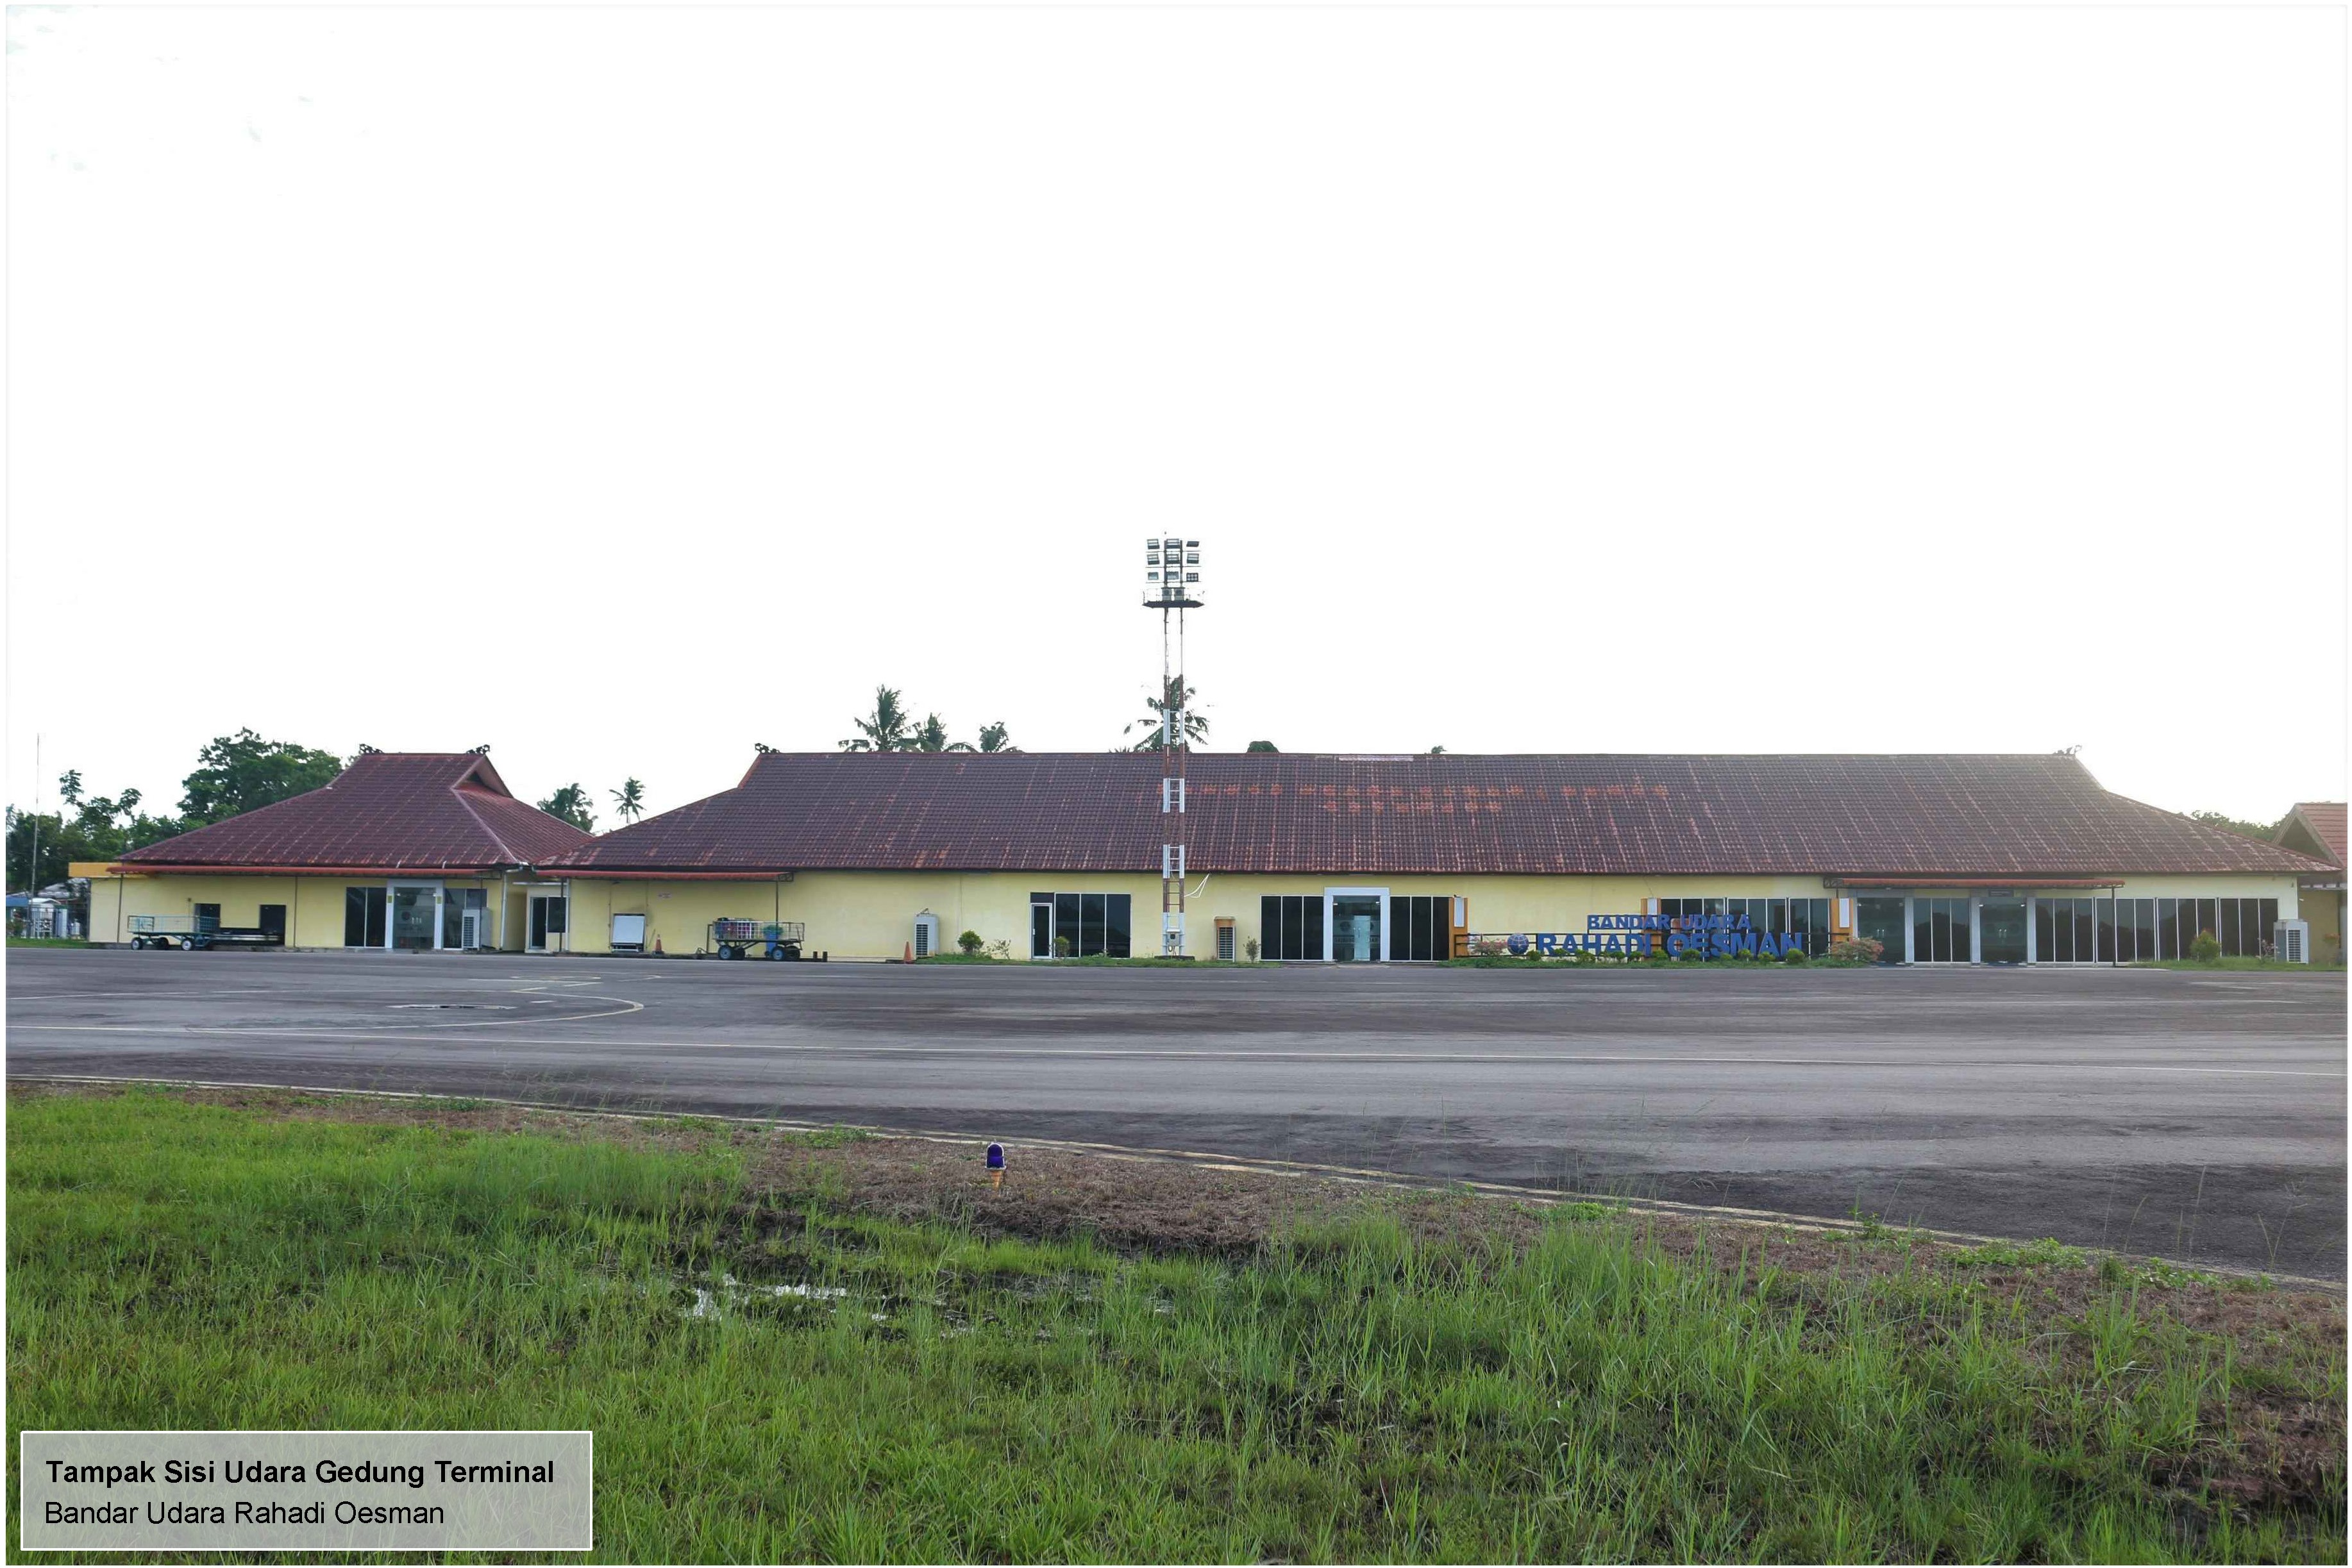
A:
{"x":196,"y":933}
{"x":736,"y":938}
{"x":186,"y":931}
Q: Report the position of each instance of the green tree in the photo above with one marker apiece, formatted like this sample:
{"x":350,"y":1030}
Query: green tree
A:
{"x":2233,"y":825}
{"x":886,"y":730}
{"x":95,"y":828}
{"x":35,"y":832}
{"x":1179,"y":697}
{"x":629,"y":800}
{"x":1437,"y":751}
{"x":239,"y":772}
{"x":994,"y":737}
{"x":932,"y":735}
{"x":570,"y":803}
{"x":1262,"y":746}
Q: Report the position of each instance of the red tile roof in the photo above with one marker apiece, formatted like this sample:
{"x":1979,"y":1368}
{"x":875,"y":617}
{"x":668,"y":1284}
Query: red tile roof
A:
{"x":2323,"y":819}
{"x":390,"y":810}
{"x":1341,"y":815}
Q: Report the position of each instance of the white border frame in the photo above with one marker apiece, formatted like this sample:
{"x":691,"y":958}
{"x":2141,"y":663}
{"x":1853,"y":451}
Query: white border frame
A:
{"x":1330,"y":894}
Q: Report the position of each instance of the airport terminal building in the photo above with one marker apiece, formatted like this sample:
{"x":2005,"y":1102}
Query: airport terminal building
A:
{"x":415,"y":851}
{"x":1291,"y":857}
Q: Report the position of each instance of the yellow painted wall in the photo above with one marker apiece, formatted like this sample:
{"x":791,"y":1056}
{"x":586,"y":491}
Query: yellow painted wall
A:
{"x":314,"y":905}
{"x":851,"y":914}
{"x":2325,"y":910}
{"x":871,"y":914}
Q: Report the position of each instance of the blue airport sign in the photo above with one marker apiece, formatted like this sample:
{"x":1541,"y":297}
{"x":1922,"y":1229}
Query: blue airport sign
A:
{"x":1631,"y":935}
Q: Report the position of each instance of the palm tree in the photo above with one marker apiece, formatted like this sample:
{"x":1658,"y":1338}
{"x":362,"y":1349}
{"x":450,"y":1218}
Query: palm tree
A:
{"x":932,"y":735}
{"x":994,"y":737}
{"x":629,"y":800}
{"x":885,"y":731}
{"x":1177,"y":696}
{"x":570,"y":803}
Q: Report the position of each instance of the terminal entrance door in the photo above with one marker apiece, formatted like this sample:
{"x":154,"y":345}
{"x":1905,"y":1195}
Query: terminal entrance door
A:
{"x":1884,"y":921}
{"x":2000,"y":931}
{"x":1356,"y":928}
{"x":416,"y":916}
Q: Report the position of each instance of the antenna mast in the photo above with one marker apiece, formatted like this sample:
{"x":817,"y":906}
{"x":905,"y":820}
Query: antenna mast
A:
{"x":1171,"y":585}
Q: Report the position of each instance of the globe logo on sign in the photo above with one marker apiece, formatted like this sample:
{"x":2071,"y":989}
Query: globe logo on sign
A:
{"x":1518,"y":945}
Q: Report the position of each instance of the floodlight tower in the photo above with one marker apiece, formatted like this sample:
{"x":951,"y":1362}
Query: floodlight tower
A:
{"x":1171,"y":585}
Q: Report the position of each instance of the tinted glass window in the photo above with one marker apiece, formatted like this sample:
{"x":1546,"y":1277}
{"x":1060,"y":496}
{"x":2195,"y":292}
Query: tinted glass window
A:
{"x":1090,"y":915}
{"x":1117,"y":918}
{"x":1312,"y":908}
{"x":2229,"y":933}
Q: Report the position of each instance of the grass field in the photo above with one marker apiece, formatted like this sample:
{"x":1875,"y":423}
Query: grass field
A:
{"x":775,"y":1370}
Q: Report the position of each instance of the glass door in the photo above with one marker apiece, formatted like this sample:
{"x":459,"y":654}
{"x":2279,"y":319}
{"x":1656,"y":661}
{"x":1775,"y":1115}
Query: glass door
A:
{"x":1882,"y":920}
{"x":2000,"y":931}
{"x":1355,"y":928}
{"x":416,"y":916}
{"x":547,"y":921}
{"x":1041,"y":930}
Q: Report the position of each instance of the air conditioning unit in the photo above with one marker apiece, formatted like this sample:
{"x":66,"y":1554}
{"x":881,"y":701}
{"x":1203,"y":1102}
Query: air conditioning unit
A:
{"x":927,"y":934}
{"x":2291,"y":940}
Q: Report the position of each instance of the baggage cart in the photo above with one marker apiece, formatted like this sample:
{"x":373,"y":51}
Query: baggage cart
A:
{"x":772,"y":939}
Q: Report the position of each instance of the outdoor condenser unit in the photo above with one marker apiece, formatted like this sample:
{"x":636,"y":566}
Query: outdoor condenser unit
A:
{"x":2291,"y":940}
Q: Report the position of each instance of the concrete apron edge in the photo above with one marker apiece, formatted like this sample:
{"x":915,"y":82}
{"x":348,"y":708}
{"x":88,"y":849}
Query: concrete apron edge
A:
{"x":1144,"y":1154}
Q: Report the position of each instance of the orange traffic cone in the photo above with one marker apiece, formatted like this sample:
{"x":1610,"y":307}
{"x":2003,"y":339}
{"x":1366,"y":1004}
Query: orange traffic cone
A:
{"x":657,"y":948}
{"x":911,"y":954}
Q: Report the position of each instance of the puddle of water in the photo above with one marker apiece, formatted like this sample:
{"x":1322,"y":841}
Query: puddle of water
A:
{"x":732,"y":1292}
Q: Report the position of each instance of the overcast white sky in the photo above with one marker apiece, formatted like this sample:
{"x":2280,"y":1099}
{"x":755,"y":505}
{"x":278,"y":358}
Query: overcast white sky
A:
{"x":624,"y":387}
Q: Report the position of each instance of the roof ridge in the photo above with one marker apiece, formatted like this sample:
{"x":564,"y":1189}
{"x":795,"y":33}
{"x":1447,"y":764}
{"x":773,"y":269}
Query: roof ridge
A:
{"x":2192,"y":822}
{"x":505,"y":849}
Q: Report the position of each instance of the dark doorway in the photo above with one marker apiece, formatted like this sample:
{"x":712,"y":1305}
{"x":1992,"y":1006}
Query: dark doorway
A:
{"x":273,"y":922}
{"x":2000,"y":931}
{"x":1880,"y":920}
{"x":363,"y":917}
